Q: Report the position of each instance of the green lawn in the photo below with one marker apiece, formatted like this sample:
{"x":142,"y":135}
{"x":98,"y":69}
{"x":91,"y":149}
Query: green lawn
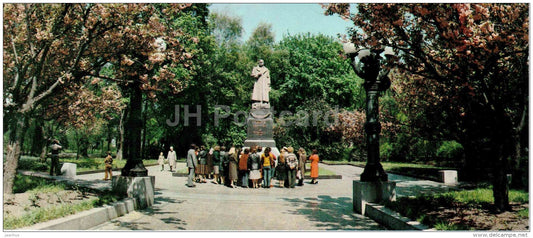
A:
{"x":410,"y":169}
{"x":321,"y":172}
{"x":82,"y":165}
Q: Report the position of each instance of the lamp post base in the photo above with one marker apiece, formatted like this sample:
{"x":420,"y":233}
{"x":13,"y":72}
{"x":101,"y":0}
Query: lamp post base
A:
{"x":372,"y":192}
{"x":373,"y":173}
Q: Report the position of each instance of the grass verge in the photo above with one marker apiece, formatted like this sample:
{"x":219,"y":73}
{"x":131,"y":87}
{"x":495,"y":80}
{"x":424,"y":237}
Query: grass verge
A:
{"x":35,"y":187}
{"x":82,"y":165}
{"x":441,"y":210}
{"x":425,"y":171}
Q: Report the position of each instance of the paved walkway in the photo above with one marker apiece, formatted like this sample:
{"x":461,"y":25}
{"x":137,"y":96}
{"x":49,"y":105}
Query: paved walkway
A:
{"x":210,"y":207}
{"x":324,"y":206}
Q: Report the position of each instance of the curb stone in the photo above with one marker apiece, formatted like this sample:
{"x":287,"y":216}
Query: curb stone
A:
{"x":393,"y":220}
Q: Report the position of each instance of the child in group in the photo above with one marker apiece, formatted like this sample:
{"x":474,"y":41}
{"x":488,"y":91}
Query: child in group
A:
{"x":161,"y":161}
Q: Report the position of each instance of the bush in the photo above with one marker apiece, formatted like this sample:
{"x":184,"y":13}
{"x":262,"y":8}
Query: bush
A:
{"x":386,"y":151}
{"x":422,"y":150}
{"x":450,"y":150}
{"x":24,"y":183}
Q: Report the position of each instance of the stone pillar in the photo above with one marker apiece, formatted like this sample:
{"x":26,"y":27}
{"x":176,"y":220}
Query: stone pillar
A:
{"x":69,"y":170}
{"x":372,"y":192}
{"x":140,"y":188}
{"x":448,"y":176}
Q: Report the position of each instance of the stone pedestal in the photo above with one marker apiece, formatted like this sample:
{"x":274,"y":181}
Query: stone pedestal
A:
{"x":69,"y":170}
{"x":372,"y":192}
{"x":140,"y":188}
{"x":259,"y":128}
{"x":448,"y":176}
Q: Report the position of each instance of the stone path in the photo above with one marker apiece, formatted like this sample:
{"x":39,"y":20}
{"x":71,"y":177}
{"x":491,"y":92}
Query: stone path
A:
{"x":210,"y":207}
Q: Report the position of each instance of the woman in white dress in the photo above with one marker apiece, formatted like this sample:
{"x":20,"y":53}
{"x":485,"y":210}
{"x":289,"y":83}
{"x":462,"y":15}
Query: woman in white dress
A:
{"x":171,"y":157}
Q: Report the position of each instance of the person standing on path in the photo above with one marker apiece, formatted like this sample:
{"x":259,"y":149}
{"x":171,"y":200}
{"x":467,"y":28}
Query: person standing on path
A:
{"x":314,"y":166}
{"x":281,"y":168}
{"x":192,"y":163}
{"x":108,"y":163}
{"x":202,"y":164}
{"x":232,"y":168}
{"x":171,"y":157}
{"x":243,"y":168}
{"x":292,"y":164}
{"x":216,"y":164}
{"x":302,"y":156}
{"x":272,"y":167}
{"x":267,"y":163}
{"x":224,"y":163}
{"x":161,"y":161}
{"x":54,"y":167}
{"x":254,"y":164}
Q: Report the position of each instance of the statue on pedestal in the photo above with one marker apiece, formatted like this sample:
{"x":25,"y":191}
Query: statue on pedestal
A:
{"x":261,"y":86}
{"x":260,"y":120}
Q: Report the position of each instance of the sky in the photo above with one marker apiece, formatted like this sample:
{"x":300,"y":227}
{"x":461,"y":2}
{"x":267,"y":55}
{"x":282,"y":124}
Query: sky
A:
{"x":286,"y":19}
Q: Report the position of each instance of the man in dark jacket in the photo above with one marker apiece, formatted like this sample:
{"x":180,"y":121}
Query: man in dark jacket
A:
{"x":55,"y":158}
{"x":192,"y":162}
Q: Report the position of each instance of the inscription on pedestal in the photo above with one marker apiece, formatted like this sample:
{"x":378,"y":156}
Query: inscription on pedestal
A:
{"x":259,"y":128}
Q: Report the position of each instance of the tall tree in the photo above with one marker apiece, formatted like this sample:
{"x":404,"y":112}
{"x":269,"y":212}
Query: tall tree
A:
{"x":48,"y":46}
{"x":261,"y":42}
{"x":226,"y":29}
{"x":478,"y":51}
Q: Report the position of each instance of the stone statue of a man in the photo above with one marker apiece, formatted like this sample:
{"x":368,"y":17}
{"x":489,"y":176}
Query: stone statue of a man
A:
{"x":262,"y":85}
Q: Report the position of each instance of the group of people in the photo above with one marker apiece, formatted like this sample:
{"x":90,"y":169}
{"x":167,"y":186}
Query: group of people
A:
{"x":252,"y":167}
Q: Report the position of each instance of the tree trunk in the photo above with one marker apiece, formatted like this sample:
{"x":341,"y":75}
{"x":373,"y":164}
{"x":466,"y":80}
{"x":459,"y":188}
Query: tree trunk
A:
{"x":108,"y":139}
{"x":134,"y":166}
{"x":143,"y":132}
{"x":17,"y":127}
{"x":120,"y":143}
{"x":500,"y":185}
{"x":502,"y":145}
{"x":84,"y":146}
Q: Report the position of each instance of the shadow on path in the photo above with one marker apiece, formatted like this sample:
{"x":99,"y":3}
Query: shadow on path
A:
{"x":331,"y":213}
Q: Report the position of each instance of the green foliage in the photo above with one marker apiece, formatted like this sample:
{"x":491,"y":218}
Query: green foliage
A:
{"x":105,"y":199}
{"x":25,"y":183}
{"x":524,"y":213}
{"x":450,"y":150}
{"x":484,"y":196}
{"x":32,"y":164}
{"x":386,"y":151}
{"x":308,"y":67}
{"x":447,"y":226}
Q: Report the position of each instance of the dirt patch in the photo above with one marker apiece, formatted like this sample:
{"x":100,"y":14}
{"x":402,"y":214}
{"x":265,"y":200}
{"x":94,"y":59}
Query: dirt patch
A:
{"x":22,"y":203}
{"x":480,"y":218}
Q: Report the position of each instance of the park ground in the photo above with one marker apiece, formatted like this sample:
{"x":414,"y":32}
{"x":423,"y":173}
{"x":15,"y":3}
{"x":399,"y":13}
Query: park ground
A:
{"x":324,"y":206}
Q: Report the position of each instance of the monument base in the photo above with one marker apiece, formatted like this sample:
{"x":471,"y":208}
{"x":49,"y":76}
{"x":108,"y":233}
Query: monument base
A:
{"x":372,"y":192}
{"x":262,"y":143}
{"x":140,"y":188}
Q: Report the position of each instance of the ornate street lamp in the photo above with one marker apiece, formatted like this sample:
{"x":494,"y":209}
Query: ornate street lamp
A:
{"x":367,"y":64}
